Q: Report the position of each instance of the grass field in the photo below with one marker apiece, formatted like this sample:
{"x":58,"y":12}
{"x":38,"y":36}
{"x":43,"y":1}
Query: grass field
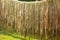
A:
{"x":13,"y":36}
{"x":6,"y":37}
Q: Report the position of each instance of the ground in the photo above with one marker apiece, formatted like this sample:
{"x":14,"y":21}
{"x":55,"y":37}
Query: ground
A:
{"x":13,"y":36}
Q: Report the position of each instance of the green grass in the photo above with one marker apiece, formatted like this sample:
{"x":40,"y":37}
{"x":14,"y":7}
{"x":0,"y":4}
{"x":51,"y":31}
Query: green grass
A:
{"x":6,"y":37}
{"x":13,"y":36}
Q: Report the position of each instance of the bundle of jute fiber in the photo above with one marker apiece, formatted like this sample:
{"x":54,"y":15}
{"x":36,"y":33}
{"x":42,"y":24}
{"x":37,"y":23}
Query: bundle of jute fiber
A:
{"x":27,"y":18}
